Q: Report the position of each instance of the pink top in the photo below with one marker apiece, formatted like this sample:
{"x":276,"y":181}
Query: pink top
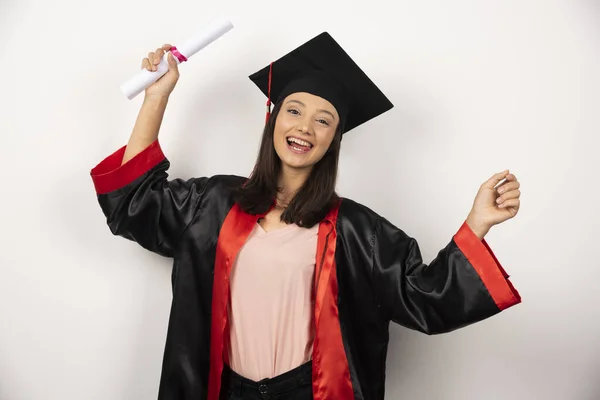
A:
{"x":271,"y":304}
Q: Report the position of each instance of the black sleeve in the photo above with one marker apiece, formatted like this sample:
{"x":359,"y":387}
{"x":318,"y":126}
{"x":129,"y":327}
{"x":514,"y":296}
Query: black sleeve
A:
{"x":140,"y":202}
{"x":462,"y":285}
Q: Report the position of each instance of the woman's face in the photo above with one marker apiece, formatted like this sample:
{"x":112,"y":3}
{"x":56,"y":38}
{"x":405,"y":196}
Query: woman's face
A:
{"x":304,"y":130}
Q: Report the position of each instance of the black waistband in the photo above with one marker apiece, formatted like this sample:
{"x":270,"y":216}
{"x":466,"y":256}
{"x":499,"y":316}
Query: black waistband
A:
{"x":298,"y":377}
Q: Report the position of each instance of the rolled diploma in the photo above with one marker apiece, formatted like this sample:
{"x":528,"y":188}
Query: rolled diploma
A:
{"x":145,"y":78}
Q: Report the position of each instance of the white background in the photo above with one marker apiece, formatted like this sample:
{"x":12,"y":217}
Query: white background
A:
{"x":478,"y":86}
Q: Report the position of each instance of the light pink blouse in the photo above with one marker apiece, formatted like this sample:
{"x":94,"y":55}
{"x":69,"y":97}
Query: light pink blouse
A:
{"x":271,"y":303}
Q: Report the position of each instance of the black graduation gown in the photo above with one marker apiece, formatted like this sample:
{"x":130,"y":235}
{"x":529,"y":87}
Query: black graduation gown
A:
{"x":368,"y":272}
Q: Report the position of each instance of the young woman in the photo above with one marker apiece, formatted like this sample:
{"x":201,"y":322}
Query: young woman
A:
{"x":282,"y":289}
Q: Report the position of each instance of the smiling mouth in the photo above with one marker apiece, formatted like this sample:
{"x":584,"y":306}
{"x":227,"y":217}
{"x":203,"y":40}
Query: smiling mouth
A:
{"x":298,"y":146}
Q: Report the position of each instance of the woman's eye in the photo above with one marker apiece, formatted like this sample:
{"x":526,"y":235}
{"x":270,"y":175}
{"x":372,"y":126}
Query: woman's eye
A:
{"x":322,"y":121}
{"x":292,"y":111}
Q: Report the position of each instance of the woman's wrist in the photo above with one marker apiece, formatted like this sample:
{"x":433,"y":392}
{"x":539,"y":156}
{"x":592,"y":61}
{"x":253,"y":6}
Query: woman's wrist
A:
{"x":479,"y":228}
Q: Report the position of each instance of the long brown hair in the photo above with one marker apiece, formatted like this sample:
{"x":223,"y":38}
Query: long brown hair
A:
{"x":314,"y":199}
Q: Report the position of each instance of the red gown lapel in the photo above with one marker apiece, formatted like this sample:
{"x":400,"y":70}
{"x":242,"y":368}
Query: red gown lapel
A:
{"x":235,"y":230}
{"x":331,"y":376}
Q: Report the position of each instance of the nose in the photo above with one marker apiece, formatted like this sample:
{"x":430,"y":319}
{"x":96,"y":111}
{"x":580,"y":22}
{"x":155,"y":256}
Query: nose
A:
{"x":304,"y":128}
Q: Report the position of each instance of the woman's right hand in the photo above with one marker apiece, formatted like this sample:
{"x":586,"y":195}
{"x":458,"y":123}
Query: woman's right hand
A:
{"x":166,"y":83}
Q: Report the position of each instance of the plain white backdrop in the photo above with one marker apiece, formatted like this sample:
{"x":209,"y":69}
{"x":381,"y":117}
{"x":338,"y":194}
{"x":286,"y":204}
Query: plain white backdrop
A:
{"x":478,"y":86}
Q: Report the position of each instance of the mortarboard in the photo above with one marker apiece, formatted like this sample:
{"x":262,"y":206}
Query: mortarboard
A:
{"x":321,"y":67}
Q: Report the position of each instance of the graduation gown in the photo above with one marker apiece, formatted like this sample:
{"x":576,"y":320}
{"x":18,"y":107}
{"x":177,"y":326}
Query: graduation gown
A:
{"x":368,"y":273}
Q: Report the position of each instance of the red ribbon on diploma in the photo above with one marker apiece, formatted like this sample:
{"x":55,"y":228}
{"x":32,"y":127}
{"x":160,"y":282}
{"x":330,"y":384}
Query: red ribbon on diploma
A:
{"x":177,"y":54}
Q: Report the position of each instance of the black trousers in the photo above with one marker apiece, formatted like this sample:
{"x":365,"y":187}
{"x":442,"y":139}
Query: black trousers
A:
{"x":292,"y":385}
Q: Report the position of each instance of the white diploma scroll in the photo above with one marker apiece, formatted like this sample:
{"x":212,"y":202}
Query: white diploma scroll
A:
{"x":206,"y":36}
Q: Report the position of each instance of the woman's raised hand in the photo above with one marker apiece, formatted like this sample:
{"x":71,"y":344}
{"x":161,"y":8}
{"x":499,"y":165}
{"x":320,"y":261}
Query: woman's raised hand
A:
{"x":165,"y":85}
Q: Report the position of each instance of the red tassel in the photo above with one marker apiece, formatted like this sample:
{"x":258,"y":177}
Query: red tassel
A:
{"x":268,"y":113}
{"x":269,"y":95}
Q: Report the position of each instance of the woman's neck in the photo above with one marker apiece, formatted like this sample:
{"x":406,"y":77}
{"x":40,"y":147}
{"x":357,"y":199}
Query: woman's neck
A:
{"x":290,"y":182}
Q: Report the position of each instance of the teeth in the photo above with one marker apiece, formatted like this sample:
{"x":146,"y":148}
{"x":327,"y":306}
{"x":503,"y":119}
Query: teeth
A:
{"x":300,"y":142}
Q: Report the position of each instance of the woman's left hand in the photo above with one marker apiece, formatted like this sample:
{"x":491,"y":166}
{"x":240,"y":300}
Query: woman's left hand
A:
{"x":494,"y":204}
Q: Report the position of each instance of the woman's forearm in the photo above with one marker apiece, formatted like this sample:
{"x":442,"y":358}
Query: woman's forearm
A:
{"x":147,"y":126}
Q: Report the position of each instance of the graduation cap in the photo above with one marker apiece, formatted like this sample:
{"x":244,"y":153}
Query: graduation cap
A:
{"x":321,"y":67}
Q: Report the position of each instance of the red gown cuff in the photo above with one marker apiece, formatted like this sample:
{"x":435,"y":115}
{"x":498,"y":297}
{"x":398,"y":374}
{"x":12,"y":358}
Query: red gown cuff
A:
{"x":487,"y":266}
{"x":110,"y":175}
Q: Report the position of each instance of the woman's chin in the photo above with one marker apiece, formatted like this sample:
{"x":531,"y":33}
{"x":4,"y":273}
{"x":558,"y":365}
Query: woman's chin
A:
{"x":297,"y":163}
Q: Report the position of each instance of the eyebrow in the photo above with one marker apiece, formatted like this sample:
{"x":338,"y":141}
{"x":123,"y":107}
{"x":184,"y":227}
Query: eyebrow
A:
{"x":304,"y":105}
